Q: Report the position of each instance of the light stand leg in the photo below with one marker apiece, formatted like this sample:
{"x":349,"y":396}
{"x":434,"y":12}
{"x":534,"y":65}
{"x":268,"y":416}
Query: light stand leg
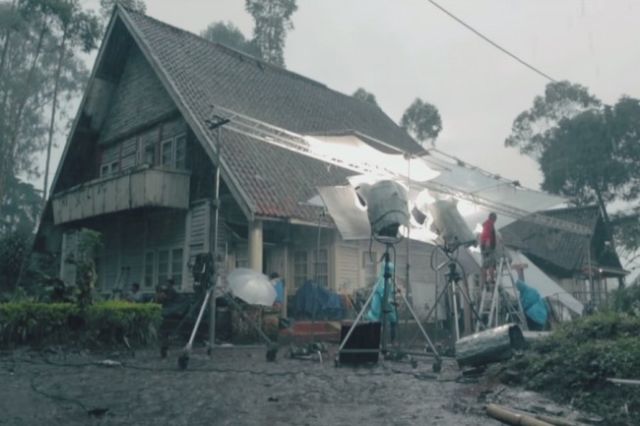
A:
{"x":422,"y":330}
{"x":454,"y":304}
{"x":183,"y":360}
{"x":357,"y":320}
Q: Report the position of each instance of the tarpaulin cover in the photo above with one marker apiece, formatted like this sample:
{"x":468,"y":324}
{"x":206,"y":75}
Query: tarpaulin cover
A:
{"x":534,"y":307}
{"x":314,"y":301}
{"x":375,"y":309}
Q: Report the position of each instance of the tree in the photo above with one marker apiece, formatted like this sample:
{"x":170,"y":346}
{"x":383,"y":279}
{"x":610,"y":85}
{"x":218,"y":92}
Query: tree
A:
{"x":106,"y":6}
{"x":422,"y":121}
{"x":272,"y":21}
{"x":34,"y":76}
{"x":228,"y":34}
{"x":561,"y":100}
{"x":20,"y":208}
{"x":365,"y":96}
{"x":25,"y":67}
{"x":580,"y":159}
{"x":78,"y":30}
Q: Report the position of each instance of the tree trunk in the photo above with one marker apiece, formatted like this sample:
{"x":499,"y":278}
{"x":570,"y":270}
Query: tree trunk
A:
{"x":32,"y":70}
{"x":53,"y":112}
{"x":5,"y":46}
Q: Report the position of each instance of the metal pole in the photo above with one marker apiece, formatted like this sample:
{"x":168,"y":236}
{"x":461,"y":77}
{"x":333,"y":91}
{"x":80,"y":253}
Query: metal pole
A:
{"x":385,"y":298}
{"x":216,"y":215}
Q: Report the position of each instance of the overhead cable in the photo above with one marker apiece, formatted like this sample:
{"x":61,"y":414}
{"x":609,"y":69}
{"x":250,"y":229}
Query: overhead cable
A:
{"x":491,"y":42}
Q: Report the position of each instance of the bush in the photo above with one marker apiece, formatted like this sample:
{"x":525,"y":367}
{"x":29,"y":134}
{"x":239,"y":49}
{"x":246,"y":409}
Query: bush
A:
{"x":103,"y":323}
{"x":575,"y":361}
{"x":627,"y":300}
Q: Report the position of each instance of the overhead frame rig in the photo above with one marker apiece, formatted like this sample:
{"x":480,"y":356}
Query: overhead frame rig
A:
{"x":295,"y":142}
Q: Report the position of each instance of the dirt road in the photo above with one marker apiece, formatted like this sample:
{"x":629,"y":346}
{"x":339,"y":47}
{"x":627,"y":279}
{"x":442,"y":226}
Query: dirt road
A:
{"x":233,"y":387}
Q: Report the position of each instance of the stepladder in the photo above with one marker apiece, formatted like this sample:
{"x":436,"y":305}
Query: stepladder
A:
{"x":500,"y":300}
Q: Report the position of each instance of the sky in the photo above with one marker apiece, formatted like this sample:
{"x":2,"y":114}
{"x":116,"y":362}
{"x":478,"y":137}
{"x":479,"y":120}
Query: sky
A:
{"x":400,"y":50}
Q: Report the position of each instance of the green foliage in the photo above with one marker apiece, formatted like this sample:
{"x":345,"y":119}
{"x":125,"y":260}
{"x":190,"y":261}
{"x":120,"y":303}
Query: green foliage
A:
{"x":104,"y":323}
{"x":627,"y":300}
{"x":106,"y":6}
{"x":19,"y":208}
{"x":365,"y":96}
{"x":40,"y":46}
{"x":89,"y":242}
{"x":13,"y":248}
{"x":575,"y":361}
{"x":580,"y":159}
{"x":228,"y":34}
{"x":561,"y":100}
{"x":422,"y":121}
{"x":272,"y":21}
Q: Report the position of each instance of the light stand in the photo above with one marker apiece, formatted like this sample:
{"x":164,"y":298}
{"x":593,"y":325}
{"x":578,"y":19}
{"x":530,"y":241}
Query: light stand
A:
{"x":383,"y":349}
{"x":203,"y":271}
{"x":452,"y":284}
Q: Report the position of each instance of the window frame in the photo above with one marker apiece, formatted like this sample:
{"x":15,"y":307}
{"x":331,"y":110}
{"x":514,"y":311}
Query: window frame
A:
{"x":176,"y":275}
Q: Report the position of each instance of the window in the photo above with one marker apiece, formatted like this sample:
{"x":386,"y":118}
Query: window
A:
{"x":148,"y":269}
{"x":176,"y":265}
{"x":173,"y":152}
{"x":161,"y":265}
{"x":181,"y":152}
{"x":166,"y":153}
{"x":321,"y":270}
{"x":300,"y":268}
{"x":149,"y":153}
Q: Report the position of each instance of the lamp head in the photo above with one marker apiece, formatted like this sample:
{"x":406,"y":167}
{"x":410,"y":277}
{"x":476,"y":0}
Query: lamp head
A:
{"x":387,"y":207}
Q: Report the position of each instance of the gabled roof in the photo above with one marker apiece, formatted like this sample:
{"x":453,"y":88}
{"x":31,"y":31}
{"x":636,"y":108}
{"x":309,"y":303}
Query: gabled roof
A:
{"x":266,"y":180}
{"x":566,"y":251}
{"x":207,"y":73}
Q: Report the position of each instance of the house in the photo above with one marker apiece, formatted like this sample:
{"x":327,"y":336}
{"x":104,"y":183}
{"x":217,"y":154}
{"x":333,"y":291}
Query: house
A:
{"x":584,"y":266}
{"x":140,"y":165}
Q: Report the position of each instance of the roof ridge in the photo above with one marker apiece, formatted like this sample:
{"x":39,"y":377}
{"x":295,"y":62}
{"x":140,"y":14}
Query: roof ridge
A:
{"x":229,"y":50}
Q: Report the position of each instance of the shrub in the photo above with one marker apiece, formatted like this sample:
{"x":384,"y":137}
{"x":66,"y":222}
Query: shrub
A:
{"x":103,"y":323}
{"x":627,"y":300}
{"x":575,"y":361}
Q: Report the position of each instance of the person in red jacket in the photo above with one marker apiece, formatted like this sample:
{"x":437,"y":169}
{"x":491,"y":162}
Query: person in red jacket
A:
{"x":488,"y":247}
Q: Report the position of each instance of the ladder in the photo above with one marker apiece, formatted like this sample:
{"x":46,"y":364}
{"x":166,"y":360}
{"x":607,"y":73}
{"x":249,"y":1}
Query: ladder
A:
{"x":500,"y":301}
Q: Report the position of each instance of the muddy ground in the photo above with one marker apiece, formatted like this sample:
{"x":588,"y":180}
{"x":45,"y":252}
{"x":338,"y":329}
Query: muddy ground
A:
{"x":238,"y":387}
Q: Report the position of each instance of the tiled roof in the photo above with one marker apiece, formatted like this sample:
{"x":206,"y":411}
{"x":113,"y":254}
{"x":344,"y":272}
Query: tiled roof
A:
{"x":565,"y":250}
{"x":280,"y":182}
{"x":275,"y":180}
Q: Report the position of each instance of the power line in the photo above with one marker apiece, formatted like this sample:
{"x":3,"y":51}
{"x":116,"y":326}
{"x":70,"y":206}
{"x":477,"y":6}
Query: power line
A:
{"x":493,"y":43}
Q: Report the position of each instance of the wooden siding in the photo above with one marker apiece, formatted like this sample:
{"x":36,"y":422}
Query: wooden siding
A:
{"x":139,"y":98}
{"x":127,"y":237}
{"x":142,"y":188}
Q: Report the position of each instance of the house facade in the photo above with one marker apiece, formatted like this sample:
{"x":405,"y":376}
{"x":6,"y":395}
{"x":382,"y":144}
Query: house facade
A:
{"x":140,"y":167}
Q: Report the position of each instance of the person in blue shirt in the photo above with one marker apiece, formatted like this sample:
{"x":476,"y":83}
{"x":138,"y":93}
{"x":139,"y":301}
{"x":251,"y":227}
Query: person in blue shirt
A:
{"x":278,"y":285}
{"x":534,"y":306}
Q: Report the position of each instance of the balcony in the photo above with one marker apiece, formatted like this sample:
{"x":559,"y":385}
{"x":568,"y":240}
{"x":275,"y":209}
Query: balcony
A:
{"x":141,"y":187}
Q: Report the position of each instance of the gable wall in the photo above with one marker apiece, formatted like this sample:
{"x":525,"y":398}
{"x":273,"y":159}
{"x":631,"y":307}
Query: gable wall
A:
{"x":139,"y":99}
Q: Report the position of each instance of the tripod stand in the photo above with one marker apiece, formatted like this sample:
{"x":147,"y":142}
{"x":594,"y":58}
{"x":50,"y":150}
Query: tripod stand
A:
{"x":203,"y":272}
{"x":453,"y":278}
{"x":385,"y":312}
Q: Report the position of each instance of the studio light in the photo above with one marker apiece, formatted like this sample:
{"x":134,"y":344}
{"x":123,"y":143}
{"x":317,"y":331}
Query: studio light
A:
{"x":387,"y":207}
{"x":449,"y":224}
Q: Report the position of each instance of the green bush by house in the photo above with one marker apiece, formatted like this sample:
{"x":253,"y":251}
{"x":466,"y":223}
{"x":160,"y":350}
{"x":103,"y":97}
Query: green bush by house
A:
{"x":573,"y":364}
{"x":102,"y":323}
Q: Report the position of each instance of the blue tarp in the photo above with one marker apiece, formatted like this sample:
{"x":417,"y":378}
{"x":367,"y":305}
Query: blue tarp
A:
{"x":312,"y":300}
{"x":375,"y":309}
{"x":533,"y":304}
